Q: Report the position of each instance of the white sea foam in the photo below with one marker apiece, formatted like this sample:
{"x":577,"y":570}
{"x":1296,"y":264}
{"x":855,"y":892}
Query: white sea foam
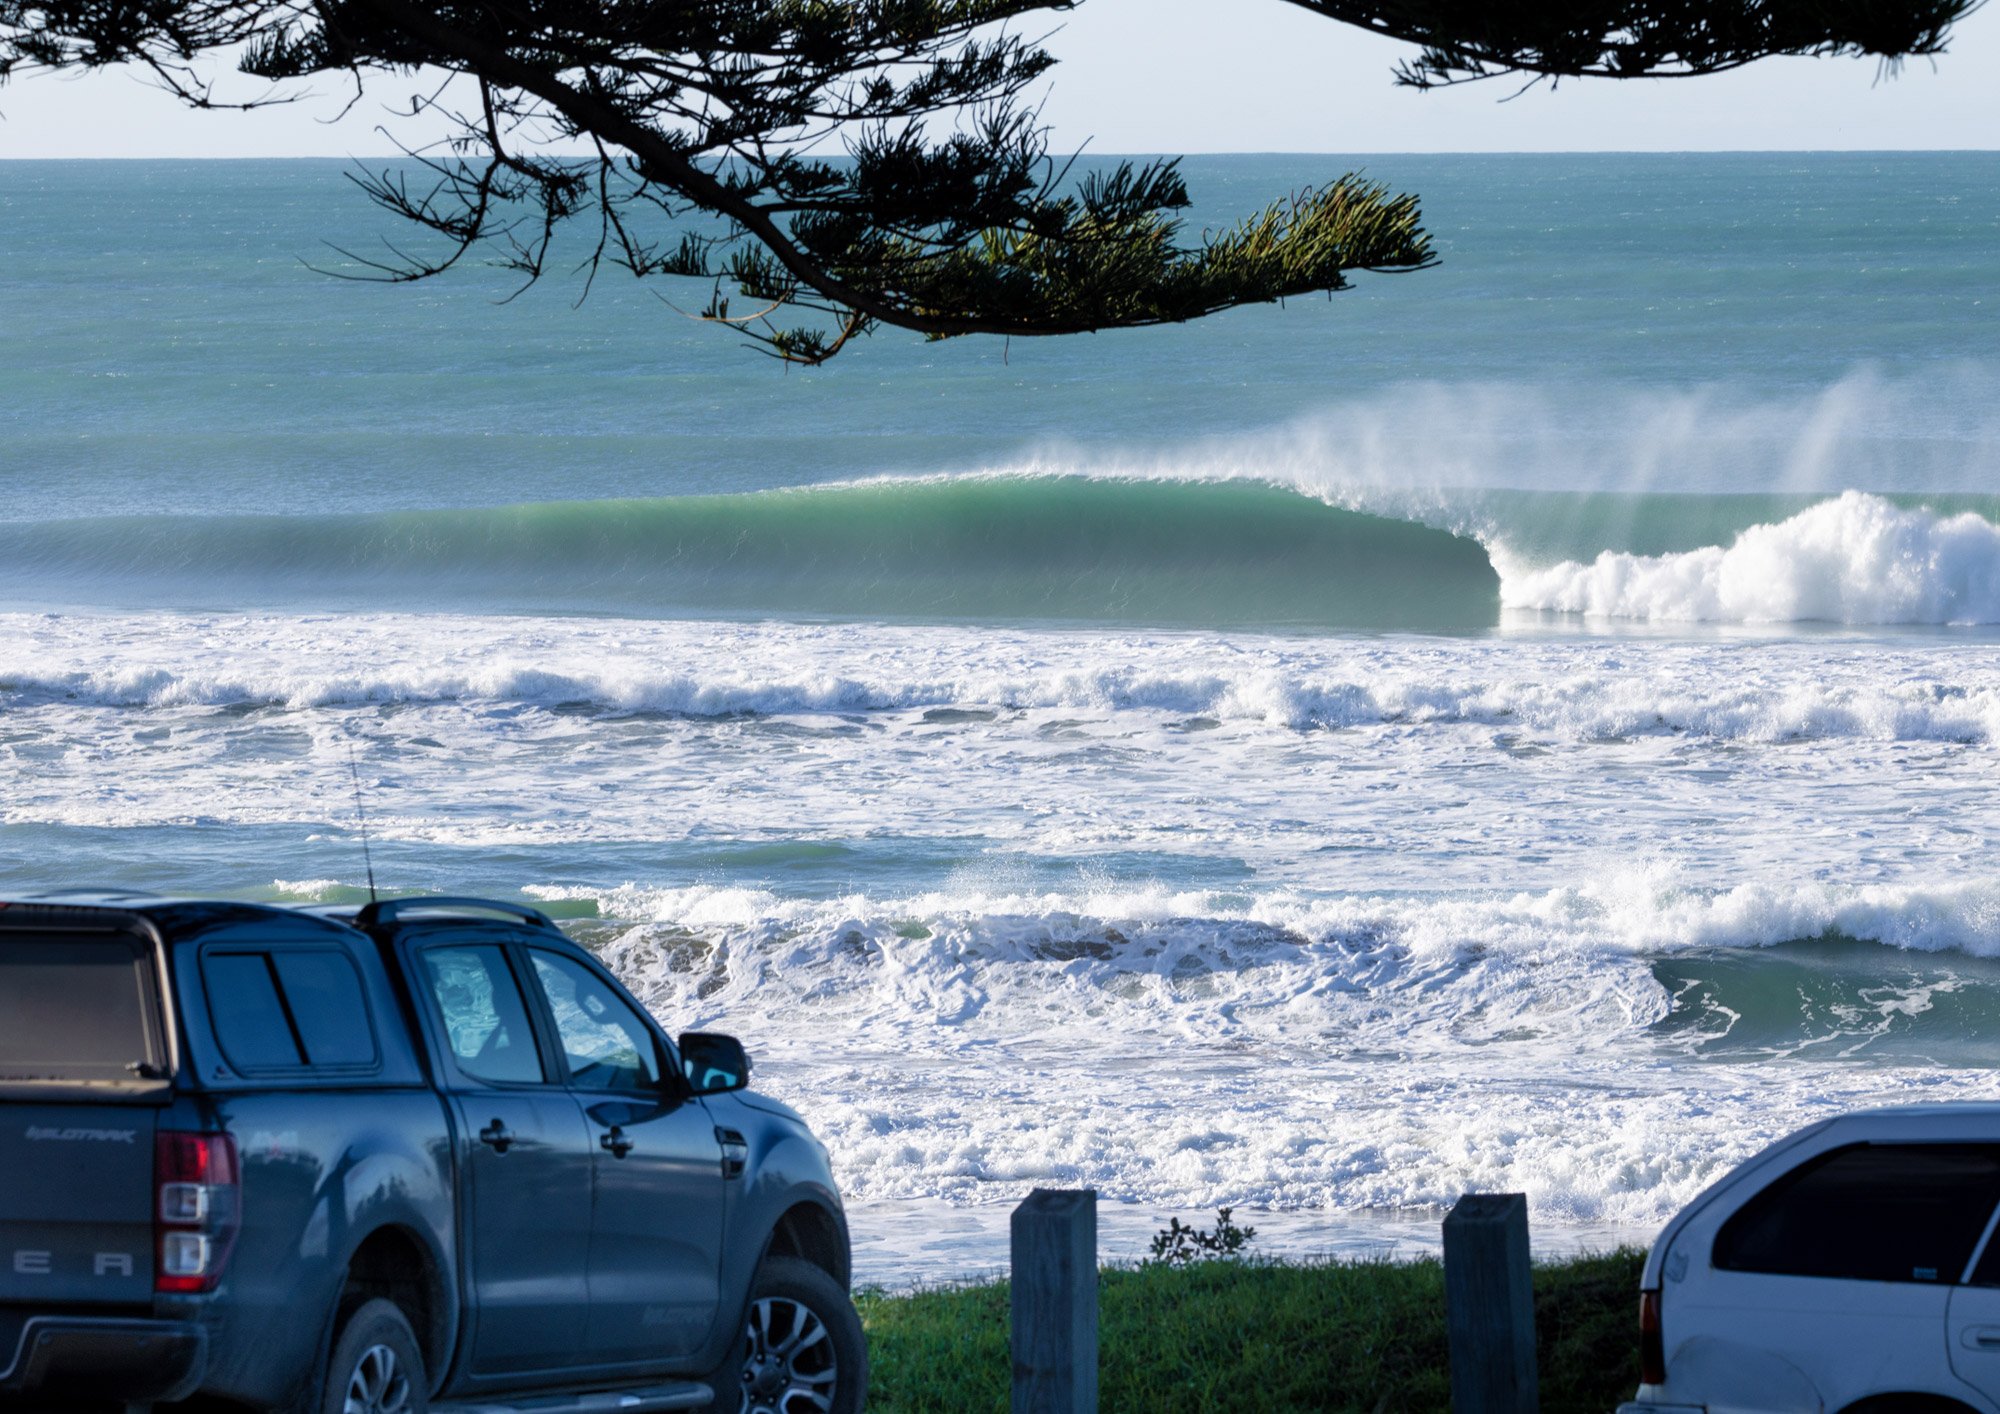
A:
{"x":1336,"y":1052}
{"x":1195,"y":918}
{"x":1572,"y":691}
{"x":306,"y":890}
{"x":1410,"y":970}
{"x":1855,"y":559}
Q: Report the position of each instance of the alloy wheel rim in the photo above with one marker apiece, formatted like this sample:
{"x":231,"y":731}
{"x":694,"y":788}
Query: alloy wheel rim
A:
{"x":377,"y":1384}
{"x":789,"y":1363}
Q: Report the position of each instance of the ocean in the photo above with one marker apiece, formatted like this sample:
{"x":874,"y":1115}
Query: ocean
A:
{"x":1528,"y":725}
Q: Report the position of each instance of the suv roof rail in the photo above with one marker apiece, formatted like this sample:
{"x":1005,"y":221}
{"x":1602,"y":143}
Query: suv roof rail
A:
{"x":389,"y":909}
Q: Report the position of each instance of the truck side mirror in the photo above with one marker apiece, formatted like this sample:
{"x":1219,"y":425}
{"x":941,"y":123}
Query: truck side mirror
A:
{"x":713,"y":1062}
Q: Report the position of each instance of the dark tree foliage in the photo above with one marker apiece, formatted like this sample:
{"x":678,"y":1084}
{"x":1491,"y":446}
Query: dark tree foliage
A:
{"x":1636,"y":39}
{"x":825,"y":166}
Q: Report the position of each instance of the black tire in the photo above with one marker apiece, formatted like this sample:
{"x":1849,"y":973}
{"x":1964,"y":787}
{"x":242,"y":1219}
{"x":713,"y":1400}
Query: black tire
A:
{"x":376,"y":1366}
{"x":827,"y":1374}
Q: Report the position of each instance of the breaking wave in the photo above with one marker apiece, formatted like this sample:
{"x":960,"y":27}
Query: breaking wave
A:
{"x":1855,"y":559}
{"x":1162,"y":551}
{"x":1350,"y":1053}
{"x":983,"y":548}
{"x":1825,"y":971}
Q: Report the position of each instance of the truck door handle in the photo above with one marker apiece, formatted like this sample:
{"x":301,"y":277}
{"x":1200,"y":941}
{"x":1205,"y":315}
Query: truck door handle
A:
{"x":1982,"y":1338}
{"x":616,"y":1141}
{"x":498,"y":1135}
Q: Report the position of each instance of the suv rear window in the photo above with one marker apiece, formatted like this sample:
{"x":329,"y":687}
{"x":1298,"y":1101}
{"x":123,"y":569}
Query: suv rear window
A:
{"x":76,"y":1009}
{"x":1871,"y":1212}
{"x":288,"y":1008}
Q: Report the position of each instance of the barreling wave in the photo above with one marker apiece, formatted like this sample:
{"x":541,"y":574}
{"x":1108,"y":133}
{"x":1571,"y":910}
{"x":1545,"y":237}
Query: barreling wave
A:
{"x":1043,"y":546}
{"x":980,"y":548}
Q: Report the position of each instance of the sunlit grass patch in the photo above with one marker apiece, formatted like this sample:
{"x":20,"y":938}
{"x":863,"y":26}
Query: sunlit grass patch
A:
{"x":1260,"y":1335}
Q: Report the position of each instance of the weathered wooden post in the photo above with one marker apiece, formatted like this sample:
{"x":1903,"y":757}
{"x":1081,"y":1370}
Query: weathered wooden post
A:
{"x":1055,"y":1302}
{"x":1489,"y":1301}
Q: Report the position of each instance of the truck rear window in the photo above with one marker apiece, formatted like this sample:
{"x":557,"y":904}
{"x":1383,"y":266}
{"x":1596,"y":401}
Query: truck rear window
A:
{"x":76,"y":1009}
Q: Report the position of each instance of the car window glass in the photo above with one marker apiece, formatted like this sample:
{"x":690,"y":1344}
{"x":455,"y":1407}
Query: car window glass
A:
{"x":324,"y":993}
{"x":1987,"y":1273}
{"x":288,"y":1008}
{"x":249,"y":1018}
{"x":1872,"y":1212}
{"x":609,"y":1047}
{"x":74,"y":1009}
{"x":485,"y":1018}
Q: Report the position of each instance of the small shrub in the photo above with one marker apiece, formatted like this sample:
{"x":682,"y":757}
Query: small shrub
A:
{"x":1177,"y":1244}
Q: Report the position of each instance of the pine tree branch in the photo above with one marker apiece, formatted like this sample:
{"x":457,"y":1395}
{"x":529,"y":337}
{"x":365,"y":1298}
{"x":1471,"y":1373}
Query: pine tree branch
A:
{"x":703,"y":122}
{"x":1468,"y":40}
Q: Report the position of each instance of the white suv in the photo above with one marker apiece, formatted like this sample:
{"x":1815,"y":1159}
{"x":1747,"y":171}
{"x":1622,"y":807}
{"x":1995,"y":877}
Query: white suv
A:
{"x":1850,"y":1268}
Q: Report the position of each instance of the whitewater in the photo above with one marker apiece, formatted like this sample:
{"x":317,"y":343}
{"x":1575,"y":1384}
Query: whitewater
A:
{"x":1534,"y":730}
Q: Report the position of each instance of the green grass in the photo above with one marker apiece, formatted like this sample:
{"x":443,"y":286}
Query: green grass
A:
{"x":1363,"y":1336}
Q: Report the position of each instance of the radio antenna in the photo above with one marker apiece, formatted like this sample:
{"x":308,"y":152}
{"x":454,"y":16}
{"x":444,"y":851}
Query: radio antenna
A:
{"x":361,"y":817}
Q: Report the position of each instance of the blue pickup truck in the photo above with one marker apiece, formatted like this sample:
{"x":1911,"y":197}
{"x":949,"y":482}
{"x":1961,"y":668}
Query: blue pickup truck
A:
{"x":425,"y":1154}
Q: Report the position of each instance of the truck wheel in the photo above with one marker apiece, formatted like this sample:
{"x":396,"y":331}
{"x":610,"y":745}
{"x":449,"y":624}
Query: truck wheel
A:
{"x":802,"y":1350}
{"x":375,"y":1367}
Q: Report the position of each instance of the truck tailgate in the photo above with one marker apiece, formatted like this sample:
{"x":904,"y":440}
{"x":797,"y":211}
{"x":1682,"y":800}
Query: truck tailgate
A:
{"x":76,"y":1203}
{"x":82,"y":1075}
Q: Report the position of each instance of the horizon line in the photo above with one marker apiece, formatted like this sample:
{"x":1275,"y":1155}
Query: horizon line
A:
{"x":1142,"y":152}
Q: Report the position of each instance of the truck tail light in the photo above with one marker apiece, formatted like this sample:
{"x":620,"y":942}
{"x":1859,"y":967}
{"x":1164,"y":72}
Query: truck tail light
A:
{"x":196,"y":1209}
{"x":1652,"y":1344}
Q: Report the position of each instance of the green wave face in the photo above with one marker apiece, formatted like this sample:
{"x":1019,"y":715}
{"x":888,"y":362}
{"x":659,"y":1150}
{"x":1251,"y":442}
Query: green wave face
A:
{"x":1149,"y":553}
{"x":1833,"y":998}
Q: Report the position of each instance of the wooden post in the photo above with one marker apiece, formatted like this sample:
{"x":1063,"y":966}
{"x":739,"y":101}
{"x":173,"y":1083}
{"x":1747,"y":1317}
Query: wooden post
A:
{"x":1489,"y":1300}
{"x":1055,"y":1302}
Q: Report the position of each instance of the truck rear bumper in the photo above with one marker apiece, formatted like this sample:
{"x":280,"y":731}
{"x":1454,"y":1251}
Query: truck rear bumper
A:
{"x":64,"y":1358}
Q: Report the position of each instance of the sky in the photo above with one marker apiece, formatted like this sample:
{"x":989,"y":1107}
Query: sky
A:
{"x":1189,"y":76}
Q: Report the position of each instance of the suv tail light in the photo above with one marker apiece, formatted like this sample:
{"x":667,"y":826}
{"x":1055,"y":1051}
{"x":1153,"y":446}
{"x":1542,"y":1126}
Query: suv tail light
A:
{"x":196,"y":1208}
{"x":1652,"y":1344}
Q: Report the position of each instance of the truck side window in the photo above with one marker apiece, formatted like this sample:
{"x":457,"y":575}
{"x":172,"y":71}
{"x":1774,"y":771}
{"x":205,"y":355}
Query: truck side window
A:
{"x":288,"y":1008}
{"x":324,"y":993}
{"x":249,"y":1017}
{"x":485,"y":1018}
{"x":608,"y":1046}
{"x":1869,"y":1212}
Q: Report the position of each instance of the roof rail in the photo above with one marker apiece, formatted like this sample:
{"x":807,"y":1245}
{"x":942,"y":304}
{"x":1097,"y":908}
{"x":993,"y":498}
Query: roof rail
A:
{"x":389,"y":909}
